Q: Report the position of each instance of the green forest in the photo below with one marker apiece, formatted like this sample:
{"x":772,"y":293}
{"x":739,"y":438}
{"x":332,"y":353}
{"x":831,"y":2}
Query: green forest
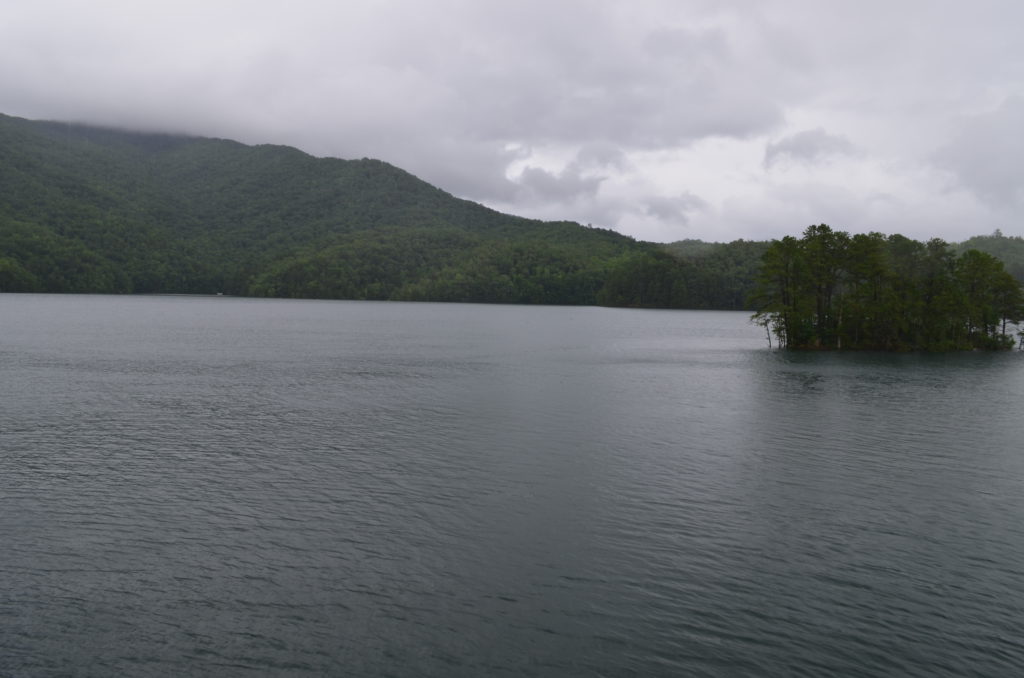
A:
{"x":92,"y":210}
{"x":85,"y":209}
{"x":830,"y":290}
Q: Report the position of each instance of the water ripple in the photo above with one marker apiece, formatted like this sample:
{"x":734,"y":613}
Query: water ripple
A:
{"x":244,"y":488}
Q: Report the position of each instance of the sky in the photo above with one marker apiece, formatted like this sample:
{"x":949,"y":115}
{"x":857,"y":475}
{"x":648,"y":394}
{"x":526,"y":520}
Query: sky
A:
{"x":661,"y":119}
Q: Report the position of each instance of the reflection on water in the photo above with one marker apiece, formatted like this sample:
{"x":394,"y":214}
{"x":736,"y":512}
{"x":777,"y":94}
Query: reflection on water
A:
{"x":227,"y":486}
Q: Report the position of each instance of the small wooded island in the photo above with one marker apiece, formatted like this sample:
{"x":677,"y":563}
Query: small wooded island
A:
{"x":830,"y":290}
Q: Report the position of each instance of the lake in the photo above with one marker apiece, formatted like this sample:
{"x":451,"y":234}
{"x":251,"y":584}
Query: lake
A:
{"x":210,"y":486}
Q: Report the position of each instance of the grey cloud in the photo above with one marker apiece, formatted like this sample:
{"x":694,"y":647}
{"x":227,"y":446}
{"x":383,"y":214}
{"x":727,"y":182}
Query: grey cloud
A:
{"x":621,"y":82}
{"x":688,"y":45}
{"x":596,"y":76}
{"x":986,"y":155}
{"x":674,"y":209}
{"x":602,"y":155}
{"x":565,"y":186}
{"x":386,"y":81}
{"x":809,"y":146}
{"x":476,"y":171}
{"x":576,"y":179}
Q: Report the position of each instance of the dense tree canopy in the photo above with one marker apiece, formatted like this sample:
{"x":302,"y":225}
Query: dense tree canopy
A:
{"x":830,"y":290}
{"x":86,"y":209}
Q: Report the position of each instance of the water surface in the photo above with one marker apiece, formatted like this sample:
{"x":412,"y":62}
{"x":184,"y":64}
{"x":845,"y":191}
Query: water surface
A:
{"x":233,"y":487}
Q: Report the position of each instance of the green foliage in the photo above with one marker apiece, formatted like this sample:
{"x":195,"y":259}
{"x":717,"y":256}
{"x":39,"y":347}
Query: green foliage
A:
{"x":828,"y":290}
{"x":687,"y":274}
{"x":1009,"y":250}
{"x":85,"y":209}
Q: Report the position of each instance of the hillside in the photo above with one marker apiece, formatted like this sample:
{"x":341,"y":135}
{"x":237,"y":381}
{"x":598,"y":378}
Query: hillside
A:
{"x":93,"y":210}
{"x":1008,"y":249}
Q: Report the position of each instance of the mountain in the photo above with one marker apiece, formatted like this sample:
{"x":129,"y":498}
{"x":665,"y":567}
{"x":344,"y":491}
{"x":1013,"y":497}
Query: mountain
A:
{"x":85,"y":209}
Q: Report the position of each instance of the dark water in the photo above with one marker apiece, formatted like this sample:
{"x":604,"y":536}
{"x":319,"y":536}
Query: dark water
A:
{"x":224,"y":487}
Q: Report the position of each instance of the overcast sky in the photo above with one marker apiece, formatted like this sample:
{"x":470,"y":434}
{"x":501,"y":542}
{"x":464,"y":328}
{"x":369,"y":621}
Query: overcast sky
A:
{"x":662,"y":119}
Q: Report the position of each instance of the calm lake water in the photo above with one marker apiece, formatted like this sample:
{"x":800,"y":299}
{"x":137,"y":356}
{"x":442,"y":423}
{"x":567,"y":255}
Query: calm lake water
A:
{"x":234,"y":487}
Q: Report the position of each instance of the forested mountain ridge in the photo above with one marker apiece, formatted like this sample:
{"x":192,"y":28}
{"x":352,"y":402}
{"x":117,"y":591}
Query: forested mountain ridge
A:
{"x":86,"y":209}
